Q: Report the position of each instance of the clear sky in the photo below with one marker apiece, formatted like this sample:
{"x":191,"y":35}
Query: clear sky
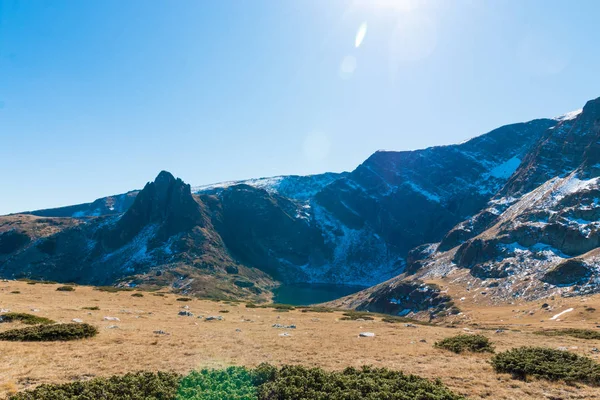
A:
{"x":96,"y":97}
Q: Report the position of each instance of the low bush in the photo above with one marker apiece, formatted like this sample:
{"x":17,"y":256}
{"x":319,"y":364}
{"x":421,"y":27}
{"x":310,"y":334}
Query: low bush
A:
{"x":223,"y":311}
{"x":404,"y":320}
{"x":233,"y":383}
{"x":133,"y":386}
{"x":93,"y":308}
{"x":49,"y":333}
{"x":317,"y":309}
{"x":137,"y":295}
{"x":265,"y":382}
{"x":26,"y":319}
{"x":549,"y":364}
{"x":368,"y":383}
{"x":184,"y":299}
{"x":577,"y":333}
{"x":65,"y":288}
{"x":15,"y":292}
{"x":354,"y":315}
{"x":251,"y":305}
{"x":460,"y":343}
{"x":113,"y":289}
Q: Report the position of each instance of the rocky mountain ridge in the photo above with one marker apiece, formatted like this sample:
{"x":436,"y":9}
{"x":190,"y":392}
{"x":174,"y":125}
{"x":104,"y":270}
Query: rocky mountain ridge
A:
{"x":518,"y":204}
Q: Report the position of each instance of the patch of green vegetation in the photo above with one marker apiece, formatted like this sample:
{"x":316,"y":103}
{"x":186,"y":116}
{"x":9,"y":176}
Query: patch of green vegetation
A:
{"x":113,"y":289}
{"x":317,"y":309}
{"x":233,"y":383}
{"x":460,"y":343}
{"x":184,"y":299}
{"x":137,"y":295}
{"x":354,"y":315}
{"x":577,"y":333}
{"x":133,"y":386}
{"x":158,"y":294}
{"x":549,"y":364}
{"x":93,"y":308}
{"x":65,"y":288}
{"x":297,"y":382}
{"x":392,"y":319}
{"x":223,"y":311}
{"x":15,"y":292}
{"x":50,"y":333}
{"x":251,"y":305}
{"x":265,"y":382}
{"x":27,"y":319}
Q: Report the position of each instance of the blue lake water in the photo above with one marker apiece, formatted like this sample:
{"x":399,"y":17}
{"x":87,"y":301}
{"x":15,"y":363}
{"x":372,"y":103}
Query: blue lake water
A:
{"x":303,"y":294}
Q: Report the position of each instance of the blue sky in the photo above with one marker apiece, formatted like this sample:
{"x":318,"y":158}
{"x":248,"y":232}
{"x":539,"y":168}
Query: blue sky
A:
{"x":96,"y":97}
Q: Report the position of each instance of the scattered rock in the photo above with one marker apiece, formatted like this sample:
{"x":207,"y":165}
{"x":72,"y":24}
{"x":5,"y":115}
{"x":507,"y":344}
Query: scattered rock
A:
{"x":160,"y":332}
{"x":79,"y":321}
{"x":284,"y":334}
{"x":238,"y":330}
{"x":545,"y":305}
{"x":279,"y":326}
{"x":423,"y":341}
{"x":112,"y":327}
{"x":185,"y":313}
{"x":366,"y":334}
{"x":4,"y":310}
{"x":214,"y":318}
{"x":562,"y":348}
{"x":111,"y":319}
{"x":595,"y":350}
{"x":35,"y":310}
{"x":410,"y":325}
{"x":499,"y":330}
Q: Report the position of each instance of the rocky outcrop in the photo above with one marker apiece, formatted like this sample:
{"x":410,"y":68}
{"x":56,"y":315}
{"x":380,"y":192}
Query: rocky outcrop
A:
{"x":567,"y":273}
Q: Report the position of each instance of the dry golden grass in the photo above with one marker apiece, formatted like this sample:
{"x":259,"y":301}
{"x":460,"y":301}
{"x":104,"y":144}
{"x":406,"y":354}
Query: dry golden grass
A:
{"x":320,"y":339}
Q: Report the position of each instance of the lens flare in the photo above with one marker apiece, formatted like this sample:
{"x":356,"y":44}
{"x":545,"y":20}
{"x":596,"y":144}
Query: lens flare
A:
{"x":360,"y":35}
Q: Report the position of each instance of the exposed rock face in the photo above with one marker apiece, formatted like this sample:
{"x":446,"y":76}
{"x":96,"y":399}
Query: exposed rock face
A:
{"x":569,"y":272}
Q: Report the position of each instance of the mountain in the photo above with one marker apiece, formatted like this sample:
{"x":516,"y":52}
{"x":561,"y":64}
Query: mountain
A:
{"x":514,"y":210}
{"x":537,"y":237}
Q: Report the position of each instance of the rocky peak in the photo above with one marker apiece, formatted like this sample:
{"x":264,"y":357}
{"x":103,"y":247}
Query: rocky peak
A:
{"x":166,"y":202}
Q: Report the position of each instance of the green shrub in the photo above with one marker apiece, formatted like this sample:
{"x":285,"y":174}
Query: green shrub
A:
{"x":137,"y":295}
{"x":223,"y":311}
{"x":460,"y":343}
{"x":26,"y":319}
{"x":577,"y":333}
{"x":65,"y":288}
{"x":549,"y":364}
{"x":354,"y":315}
{"x":404,"y":320}
{"x":251,"y":305}
{"x":93,"y":308}
{"x":265,"y":382}
{"x":133,"y":386}
{"x":184,"y":299}
{"x":233,"y":383}
{"x":15,"y":292}
{"x":113,"y":289}
{"x":47,"y":333}
{"x":368,"y":383}
{"x":317,"y":309}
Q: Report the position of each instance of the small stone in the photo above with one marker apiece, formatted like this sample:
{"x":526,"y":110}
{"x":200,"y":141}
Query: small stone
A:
{"x":112,"y":327}
{"x":111,"y":319}
{"x":499,"y":330}
{"x":410,"y":325}
{"x":423,"y":341}
{"x":284,"y":334}
{"x":161,"y":332}
{"x":35,"y":310}
{"x":238,"y":330}
{"x":214,"y":318}
{"x":562,"y":348}
{"x":185,"y":313}
{"x":79,"y":321}
{"x":366,"y":334}
{"x":595,"y":350}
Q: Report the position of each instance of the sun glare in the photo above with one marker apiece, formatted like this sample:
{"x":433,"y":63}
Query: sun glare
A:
{"x":360,"y":35}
